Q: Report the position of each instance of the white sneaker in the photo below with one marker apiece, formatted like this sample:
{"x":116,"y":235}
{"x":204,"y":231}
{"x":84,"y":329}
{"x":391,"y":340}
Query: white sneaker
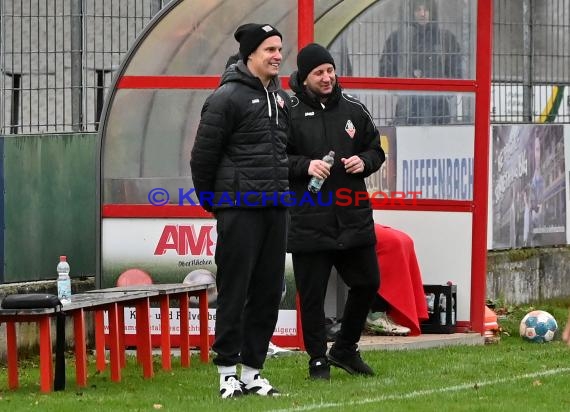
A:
{"x":380,"y":324}
{"x":274,"y":350}
{"x":260,"y":386}
{"x":231,"y":387}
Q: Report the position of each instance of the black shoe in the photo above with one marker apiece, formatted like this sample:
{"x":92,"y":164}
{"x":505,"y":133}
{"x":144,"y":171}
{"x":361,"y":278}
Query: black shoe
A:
{"x":319,"y":368}
{"x":350,"y":361}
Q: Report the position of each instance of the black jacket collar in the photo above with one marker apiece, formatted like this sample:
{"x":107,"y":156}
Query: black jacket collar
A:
{"x":309,"y":98}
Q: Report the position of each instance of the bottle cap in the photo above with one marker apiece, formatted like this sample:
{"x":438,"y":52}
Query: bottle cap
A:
{"x":63,"y":258}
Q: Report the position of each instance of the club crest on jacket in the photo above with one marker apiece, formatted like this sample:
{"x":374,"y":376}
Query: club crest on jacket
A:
{"x":350,"y":129}
{"x":280,"y":101}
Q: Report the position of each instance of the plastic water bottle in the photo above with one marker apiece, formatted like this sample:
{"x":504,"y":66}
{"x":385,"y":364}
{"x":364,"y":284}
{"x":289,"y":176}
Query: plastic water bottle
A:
{"x":442,"y":308}
{"x":315,"y":183}
{"x":63,"y":281}
{"x":453,"y":311}
{"x":430,"y":301}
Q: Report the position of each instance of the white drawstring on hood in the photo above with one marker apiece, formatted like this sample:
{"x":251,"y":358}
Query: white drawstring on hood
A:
{"x":270,"y":113}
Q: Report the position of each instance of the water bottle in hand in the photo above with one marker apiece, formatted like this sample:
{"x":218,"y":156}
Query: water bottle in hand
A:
{"x":316,"y":183}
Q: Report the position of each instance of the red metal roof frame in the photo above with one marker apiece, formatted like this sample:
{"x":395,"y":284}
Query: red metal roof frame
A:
{"x":481,"y":87}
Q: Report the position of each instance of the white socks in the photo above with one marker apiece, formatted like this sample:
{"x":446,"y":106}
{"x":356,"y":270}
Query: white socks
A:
{"x":248,"y":374}
{"x":226,"y":371}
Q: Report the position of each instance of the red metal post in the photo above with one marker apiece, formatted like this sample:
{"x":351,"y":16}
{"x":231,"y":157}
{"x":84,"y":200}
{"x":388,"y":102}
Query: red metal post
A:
{"x":100,"y":340}
{"x":204,"y":333}
{"x":114,"y":342}
{"x":184,"y":332}
{"x":121,"y":323}
{"x":165,"y":331}
{"x":80,"y":348}
{"x":12,"y":354}
{"x":46,"y":364}
{"x":305,"y":22}
{"x":144,"y":345}
{"x":481,"y":163}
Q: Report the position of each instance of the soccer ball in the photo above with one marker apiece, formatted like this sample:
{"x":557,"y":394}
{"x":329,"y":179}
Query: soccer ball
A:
{"x":538,"y":326}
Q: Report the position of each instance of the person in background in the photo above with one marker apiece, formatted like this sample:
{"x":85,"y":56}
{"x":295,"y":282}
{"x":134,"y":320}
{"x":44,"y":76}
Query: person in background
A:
{"x":324,"y":118}
{"x":421,"y":49}
{"x":240,"y":147}
{"x":233,"y":59}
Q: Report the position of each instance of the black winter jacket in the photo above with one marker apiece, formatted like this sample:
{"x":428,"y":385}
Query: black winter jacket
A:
{"x":239,"y":156}
{"x":345,"y":126}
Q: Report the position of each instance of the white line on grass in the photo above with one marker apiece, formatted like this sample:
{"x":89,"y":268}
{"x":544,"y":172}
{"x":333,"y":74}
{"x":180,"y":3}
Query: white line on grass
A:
{"x":425,"y":392}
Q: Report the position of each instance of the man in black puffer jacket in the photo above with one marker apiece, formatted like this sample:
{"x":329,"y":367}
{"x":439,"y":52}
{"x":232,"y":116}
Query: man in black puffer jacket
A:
{"x":240,"y":173}
{"x":335,"y":228}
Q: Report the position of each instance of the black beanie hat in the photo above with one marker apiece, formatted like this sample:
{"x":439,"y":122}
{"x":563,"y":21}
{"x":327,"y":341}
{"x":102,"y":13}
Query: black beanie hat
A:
{"x":251,"y":35}
{"x":311,"y":56}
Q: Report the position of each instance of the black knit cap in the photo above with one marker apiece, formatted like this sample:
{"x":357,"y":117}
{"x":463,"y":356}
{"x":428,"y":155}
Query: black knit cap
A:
{"x":311,"y":56}
{"x":251,"y":35}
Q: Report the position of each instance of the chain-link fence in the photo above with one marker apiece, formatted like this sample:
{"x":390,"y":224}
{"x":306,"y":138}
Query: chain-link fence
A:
{"x":58,"y":57}
{"x":531,"y":61}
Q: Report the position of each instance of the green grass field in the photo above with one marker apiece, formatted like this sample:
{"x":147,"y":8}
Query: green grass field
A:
{"x":511,"y":375}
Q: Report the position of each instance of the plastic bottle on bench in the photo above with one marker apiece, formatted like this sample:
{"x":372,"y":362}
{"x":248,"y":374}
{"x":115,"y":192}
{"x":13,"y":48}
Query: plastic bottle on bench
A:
{"x":63,"y":281}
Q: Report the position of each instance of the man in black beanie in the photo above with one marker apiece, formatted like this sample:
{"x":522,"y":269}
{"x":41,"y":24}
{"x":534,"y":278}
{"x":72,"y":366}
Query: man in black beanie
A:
{"x":240,"y":171}
{"x":250,"y":36}
{"x":325,"y":233}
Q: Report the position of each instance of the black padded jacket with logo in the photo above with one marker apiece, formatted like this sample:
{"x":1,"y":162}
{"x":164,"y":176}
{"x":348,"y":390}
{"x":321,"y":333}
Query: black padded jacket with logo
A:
{"x":337,"y":218}
{"x":239,"y":155}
